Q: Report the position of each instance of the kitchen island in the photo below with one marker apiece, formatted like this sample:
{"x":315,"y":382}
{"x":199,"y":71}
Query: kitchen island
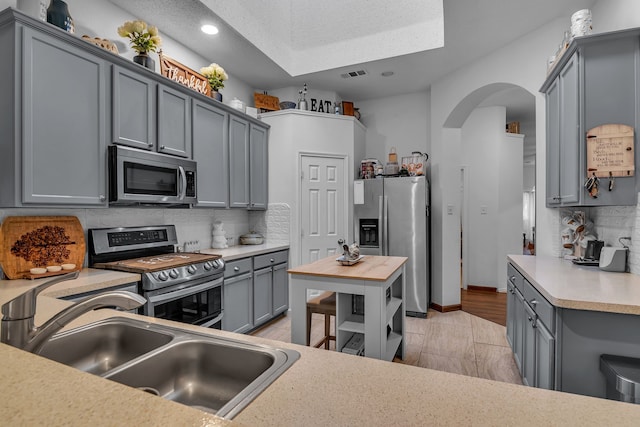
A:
{"x":380,"y":279}
{"x":353,"y":391}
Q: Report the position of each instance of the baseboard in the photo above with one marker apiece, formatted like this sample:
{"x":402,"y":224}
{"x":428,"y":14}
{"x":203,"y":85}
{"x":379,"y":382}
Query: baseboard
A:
{"x":482,"y":288}
{"x":446,"y":308}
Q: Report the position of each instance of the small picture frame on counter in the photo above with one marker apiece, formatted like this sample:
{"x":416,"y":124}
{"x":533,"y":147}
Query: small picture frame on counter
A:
{"x":347,"y":108}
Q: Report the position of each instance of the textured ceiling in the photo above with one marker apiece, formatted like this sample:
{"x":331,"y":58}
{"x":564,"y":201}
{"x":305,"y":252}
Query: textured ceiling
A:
{"x":304,"y":36}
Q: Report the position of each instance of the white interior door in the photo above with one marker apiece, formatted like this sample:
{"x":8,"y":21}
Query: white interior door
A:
{"x":323,"y":206}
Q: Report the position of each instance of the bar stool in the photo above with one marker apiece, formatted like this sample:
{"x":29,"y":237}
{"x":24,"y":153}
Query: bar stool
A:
{"x":322,"y":304}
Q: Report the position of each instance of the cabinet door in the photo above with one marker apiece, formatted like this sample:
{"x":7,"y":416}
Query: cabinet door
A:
{"x":553,"y":144}
{"x":518,"y":334}
{"x":258,"y":164}
{"x":280,"y":288}
{"x":570,"y":140}
{"x":133,"y":109}
{"x":64,"y":125}
{"x":511,"y":311}
{"x":262,"y":295}
{"x":545,"y":357}
{"x":529,"y":347}
{"x":210,"y":150}
{"x":238,"y":162}
{"x":238,"y":304}
{"x":174,"y":122}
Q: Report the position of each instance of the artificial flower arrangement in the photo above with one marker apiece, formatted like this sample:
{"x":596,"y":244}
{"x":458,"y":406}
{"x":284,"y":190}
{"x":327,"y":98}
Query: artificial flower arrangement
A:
{"x":143,"y":38}
{"x":216,"y":76}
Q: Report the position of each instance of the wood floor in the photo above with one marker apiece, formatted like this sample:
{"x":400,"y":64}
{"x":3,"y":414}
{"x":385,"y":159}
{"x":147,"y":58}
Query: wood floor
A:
{"x":456,"y":342}
{"x":488,"y":305}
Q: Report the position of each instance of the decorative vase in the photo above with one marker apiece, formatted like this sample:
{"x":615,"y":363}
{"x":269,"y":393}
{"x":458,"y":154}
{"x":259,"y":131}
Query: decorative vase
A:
{"x":144,"y":60}
{"x":216,"y":95}
{"x":58,"y":15}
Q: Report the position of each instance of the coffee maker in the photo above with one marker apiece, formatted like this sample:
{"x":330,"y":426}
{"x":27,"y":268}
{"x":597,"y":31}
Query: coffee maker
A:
{"x":594,"y":247}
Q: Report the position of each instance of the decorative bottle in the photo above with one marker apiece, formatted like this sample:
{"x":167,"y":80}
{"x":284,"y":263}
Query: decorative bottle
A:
{"x":58,"y":15}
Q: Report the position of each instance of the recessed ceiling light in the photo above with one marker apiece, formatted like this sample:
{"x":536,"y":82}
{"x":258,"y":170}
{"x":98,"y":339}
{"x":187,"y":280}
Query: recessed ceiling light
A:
{"x":386,"y":73}
{"x":209,"y":29}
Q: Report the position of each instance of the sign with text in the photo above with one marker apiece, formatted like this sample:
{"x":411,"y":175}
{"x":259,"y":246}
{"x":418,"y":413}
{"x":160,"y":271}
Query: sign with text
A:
{"x":266,"y":102}
{"x":179,"y":73}
{"x":610,"y":151}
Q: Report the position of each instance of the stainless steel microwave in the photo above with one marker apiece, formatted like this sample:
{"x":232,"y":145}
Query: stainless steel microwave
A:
{"x":138,"y":177}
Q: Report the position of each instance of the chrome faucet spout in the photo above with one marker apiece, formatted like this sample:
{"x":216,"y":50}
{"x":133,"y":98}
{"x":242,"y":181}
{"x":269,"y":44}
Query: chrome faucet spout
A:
{"x":18,"y":327}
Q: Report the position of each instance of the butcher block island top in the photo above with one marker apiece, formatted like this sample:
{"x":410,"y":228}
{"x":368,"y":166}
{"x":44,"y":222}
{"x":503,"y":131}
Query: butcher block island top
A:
{"x":376,"y":268}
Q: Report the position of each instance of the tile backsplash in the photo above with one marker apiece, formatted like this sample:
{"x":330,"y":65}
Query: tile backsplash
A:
{"x":613,"y":222}
{"x":193,"y":226}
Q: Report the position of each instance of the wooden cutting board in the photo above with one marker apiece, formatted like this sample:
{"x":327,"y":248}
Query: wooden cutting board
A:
{"x":40,"y":241}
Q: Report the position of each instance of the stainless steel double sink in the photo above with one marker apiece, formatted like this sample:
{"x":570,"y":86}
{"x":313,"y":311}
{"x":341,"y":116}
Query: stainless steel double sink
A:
{"x":214,"y":374}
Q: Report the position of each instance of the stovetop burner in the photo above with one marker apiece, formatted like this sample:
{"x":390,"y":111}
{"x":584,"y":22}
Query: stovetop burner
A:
{"x":150,"y":252}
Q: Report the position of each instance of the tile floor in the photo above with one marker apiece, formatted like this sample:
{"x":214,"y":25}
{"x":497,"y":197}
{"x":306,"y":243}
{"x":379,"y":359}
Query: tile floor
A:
{"x":455,"y":342}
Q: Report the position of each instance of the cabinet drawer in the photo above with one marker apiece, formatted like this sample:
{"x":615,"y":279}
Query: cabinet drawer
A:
{"x":272,"y":258}
{"x":237,"y":267}
{"x":515,"y":277}
{"x":542,"y":307}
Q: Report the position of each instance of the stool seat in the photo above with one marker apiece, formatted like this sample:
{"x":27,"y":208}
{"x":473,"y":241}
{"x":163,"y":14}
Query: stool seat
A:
{"x":325,"y":304}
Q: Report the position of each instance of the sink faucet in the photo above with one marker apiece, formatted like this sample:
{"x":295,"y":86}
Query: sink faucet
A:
{"x":19,"y":330}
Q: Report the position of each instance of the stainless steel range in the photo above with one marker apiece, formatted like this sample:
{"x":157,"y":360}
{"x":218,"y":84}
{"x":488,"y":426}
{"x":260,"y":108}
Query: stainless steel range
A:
{"x":181,"y":286}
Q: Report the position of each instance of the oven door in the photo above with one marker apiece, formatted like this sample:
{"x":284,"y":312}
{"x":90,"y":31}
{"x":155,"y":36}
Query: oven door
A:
{"x":196,"y":303}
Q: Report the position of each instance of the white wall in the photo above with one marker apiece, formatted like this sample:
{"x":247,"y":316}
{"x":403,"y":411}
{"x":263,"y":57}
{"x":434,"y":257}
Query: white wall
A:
{"x":293,"y":132}
{"x":398,"y":121}
{"x":522,"y":63}
{"x":493,"y":202}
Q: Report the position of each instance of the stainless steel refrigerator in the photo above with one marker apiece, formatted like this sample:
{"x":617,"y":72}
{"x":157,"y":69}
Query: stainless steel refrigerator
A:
{"x":394,"y":220}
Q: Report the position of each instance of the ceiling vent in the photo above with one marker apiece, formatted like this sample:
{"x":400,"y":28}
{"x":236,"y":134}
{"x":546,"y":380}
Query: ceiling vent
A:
{"x":353,"y":74}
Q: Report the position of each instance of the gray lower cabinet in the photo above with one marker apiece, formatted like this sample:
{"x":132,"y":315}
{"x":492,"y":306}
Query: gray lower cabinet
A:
{"x":238,"y":296}
{"x":256,"y":289}
{"x":133,"y":109}
{"x":211,"y":151}
{"x":54,"y":122}
{"x":262,"y":295}
{"x":531,"y":331}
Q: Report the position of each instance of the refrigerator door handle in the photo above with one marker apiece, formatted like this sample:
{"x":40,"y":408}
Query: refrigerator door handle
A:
{"x":381,"y":228}
{"x":385,"y":226}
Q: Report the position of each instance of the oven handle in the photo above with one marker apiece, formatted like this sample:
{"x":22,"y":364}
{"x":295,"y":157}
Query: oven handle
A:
{"x":212,"y":321}
{"x":190,"y":290}
{"x":183,"y":182}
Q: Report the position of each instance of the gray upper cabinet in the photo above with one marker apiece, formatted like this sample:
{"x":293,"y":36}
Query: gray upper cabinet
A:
{"x":54,"y":134}
{"x":592,"y":85}
{"x":248,"y":160}
{"x":210,"y":150}
{"x":134,"y":108}
{"x":238,"y":162}
{"x":258,"y":167}
{"x":174,"y":122}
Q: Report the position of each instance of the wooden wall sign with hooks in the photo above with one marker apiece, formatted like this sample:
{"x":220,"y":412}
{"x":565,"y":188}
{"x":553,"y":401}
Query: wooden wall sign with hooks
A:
{"x":610,"y":151}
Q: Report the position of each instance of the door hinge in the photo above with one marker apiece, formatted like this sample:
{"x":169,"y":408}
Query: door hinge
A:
{"x":301,"y":175}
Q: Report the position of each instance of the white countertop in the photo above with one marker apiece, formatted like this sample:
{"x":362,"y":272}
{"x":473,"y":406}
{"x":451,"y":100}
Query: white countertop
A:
{"x":321,"y":388}
{"x":243,"y":251}
{"x":567,"y":285}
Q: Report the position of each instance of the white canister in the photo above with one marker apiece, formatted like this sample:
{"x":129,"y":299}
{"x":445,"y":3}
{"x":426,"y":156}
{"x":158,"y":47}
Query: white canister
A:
{"x":34,"y":8}
{"x":581,"y":23}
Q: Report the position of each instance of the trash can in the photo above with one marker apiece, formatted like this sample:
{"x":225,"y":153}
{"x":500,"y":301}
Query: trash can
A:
{"x":623,"y":377}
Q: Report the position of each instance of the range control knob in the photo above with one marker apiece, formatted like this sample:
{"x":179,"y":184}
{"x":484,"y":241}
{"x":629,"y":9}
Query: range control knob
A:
{"x":207,"y":265}
{"x":173,"y":273}
{"x":216,"y":264}
{"x":162,"y":276}
{"x":192,"y":269}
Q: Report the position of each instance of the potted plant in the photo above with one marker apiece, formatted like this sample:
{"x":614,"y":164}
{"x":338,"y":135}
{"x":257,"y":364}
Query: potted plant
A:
{"x":143,"y":38}
{"x":216,"y":76}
